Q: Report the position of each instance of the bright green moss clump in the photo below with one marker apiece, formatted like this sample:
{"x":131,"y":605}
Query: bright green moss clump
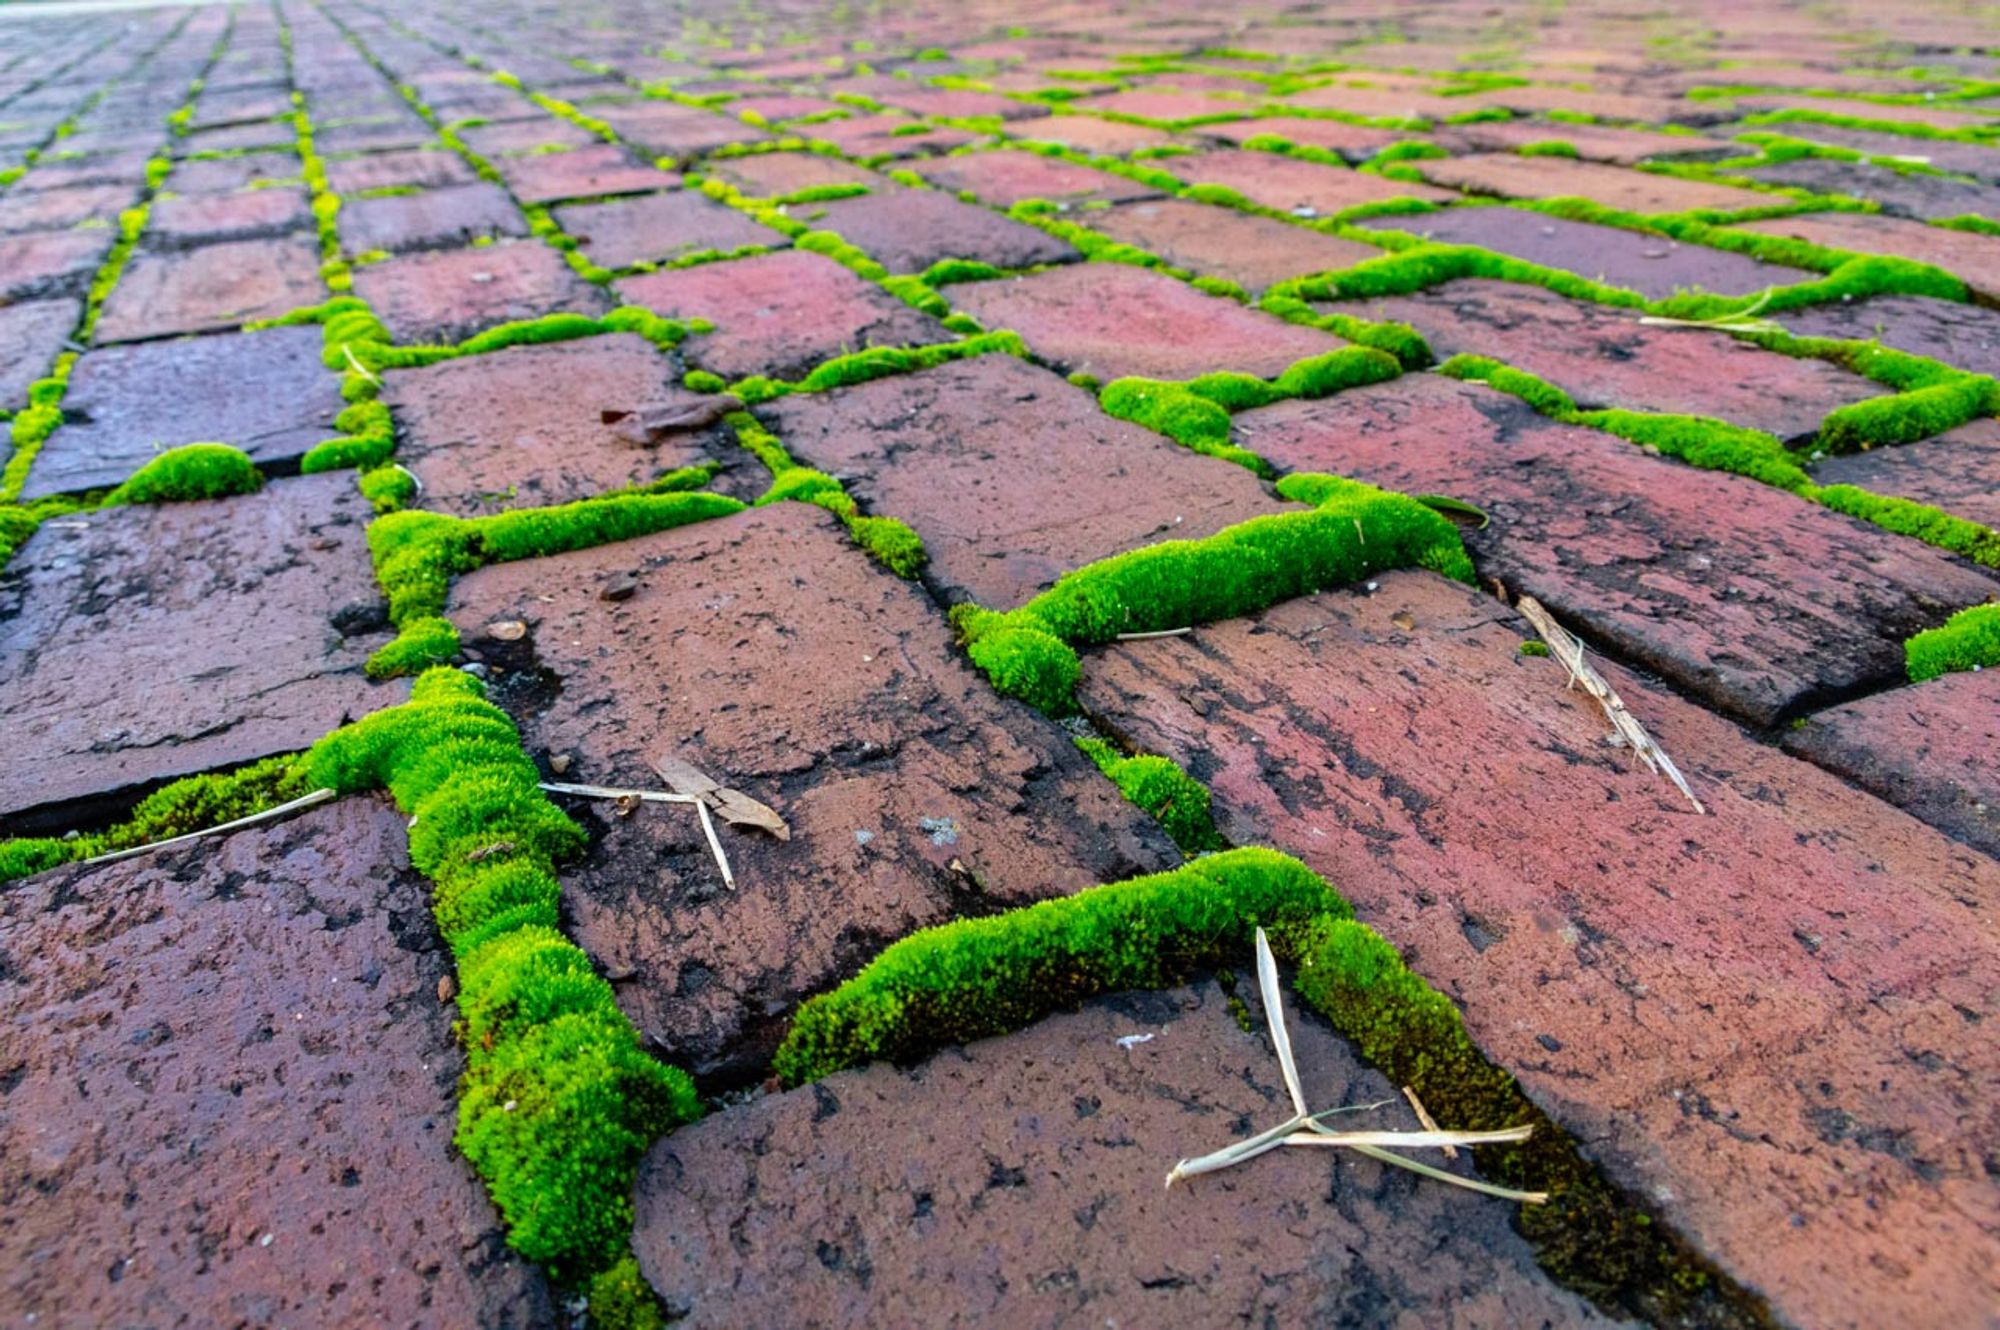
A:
{"x":1352,"y":531}
{"x":194,"y":471}
{"x":1969,"y":640}
{"x":981,"y":977}
{"x":877,"y":363}
{"x":559,"y":1099}
{"x":1178,"y":801}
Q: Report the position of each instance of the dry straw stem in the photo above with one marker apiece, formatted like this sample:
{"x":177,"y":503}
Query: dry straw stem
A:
{"x":285,"y":809}
{"x":655,"y":797}
{"x":1743,"y":320}
{"x":1305,"y":1127}
{"x":1625,"y":728}
{"x":1424,"y":1116}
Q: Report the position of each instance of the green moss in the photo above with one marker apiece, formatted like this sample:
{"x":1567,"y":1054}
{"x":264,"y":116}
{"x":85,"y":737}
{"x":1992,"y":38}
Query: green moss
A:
{"x":1353,"y":530}
{"x":703,"y":381}
{"x":388,"y":488}
{"x":879,"y":362}
{"x":1534,"y":648}
{"x":621,"y":1299}
{"x":1178,"y":801}
{"x":421,"y":641}
{"x":980,"y":977}
{"x":1906,"y":417}
{"x":1195,"y":413}
{"x":946,"y":271}
{"x":559,"y":1099}
{"x":1933,"y":526}
{"x":1979,"y":134}
{"x":1548,"y":148}
{"x":1969,"y":640}
{"x":193,"y":471}
{"x":192,"y":804}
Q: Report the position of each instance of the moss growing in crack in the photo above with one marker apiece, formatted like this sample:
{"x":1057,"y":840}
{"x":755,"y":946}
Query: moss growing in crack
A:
{"x":416,"y":554}
{"x":621,"y":1299}
{"x":559,"y":1099}
{"x":368,"y":440}
{"x":1548,"y":148}
{"x":703,"y":381}
{"x":1351,"y":531}
{"x":1969,"y":640}
{"x":946,"y":271}
{"x":388,"y":488}
{"x":1906,"y":517}
{"x":1195,"y":413}
{"x":981,"y":977}
{"x":193,"y":471}
{"x":1906,"y":417}
{"x":876,"y":363}
{"x":1177,"y":801}
{"x":192,"y":804}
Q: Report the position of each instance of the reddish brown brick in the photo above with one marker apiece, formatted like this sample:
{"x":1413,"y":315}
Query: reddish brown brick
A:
{"x":448,"y":295}
{"x":1089,"y":134}
{"x":433,"y":219}
{"x":1653,"y":265}
{"x":1972,"y":258}
{"x":807,"y":677}
{"x":31,"y":337}
{"x":1604,"y":357}
{"x":1515,"y":177}
{"x":775,"y":174}
{"x":1003,"y":179}
{"x":524,"y":427}
{"x":54,"y":209}
{"x":907,"y":230}
{"x":226,"y":175}
{"x":668,"y":129}
{"x":1901,"y":193}
{"x":1110,"y":320}
{"x":212,"y":288}
{"x":1766,"y":1022}
{"x":425,"y":168}
{"x":1958,"y":471}
{"x":516,"y":137}
{"x":1929,"y":748}
{"x":1030,"y":1193}
{"x":148,"y":643}
{"x":202,"y":219}
{"x":48,"y":263}
{"x":780,"y":314}
{"x":1757,"y":602}
{"x":1166,"y":108}
{"x":957,"y":103}
{"x":1011,"y":476}
{"x":872,"y":136}
{"x":1593,"y":143}
{"x":654,"y":228}
{"x":1254,"y":252}
{"x":1290,"y":185}
{"x":585,"y":172}
{"x":250,"y":1122}
{"x":1354,"y":142}
{"x":1964,"y":336}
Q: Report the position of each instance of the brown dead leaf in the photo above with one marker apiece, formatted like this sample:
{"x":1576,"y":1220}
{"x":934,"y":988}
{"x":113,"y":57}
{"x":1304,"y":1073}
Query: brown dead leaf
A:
{"x":652,"y":424}
{"x":1404,"y":620}
{"x":733,"y":806}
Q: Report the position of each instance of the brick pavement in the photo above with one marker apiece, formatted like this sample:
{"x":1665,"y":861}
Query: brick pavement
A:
{"x":677,"y":372}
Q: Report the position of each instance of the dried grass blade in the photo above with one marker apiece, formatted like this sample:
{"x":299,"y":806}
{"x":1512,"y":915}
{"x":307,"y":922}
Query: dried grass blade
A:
{"x":236,"y":824}
{"x":1411,"y":1140}
{"x":1274,"y":1016}
{"x":1443,"y":1175}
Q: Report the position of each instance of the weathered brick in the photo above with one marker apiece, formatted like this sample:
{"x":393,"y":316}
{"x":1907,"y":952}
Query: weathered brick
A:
{"x":253,"y":1120}
{"x":872,"y":136}
{"x":1972,"y":258}
{"x":655,"y":228}
{"x":1290,"y":185}
{"x":581,"y":173}
{"x":31,"y":337}
{"x":524,"y":427}
{"x":1110,"y":320}
{"x":1003,"y":179}
{"x":1901,"y":194}
{"x":447,"y":295}
{"x":667,"y":129}
{"x":1604,"y":357}
{"x":142,"y":644}
{"x":424,"y":168}
{"x":1011,"y":475}
{"x":775,"y":174}
{"x":1254,"y":252}
{"x":264,"y":392}
{"x":1929,"y":749}
{"x":907,"y":230}
{"x":1656,"y":266}
{"x":1593,"y":143}
{"x":1958,"y":471}
{"x":1041,"y":1152}
{"x":768,"y":651}
{"x":780,"y":314}
{"x":49,"y":263}
{"x":53,"y":209}
{"x":212,"y":288}
{"x":1757,"y":602}
{"x":1089,"y":134}
{"x":203,"y":219}
{"x":1515,"y":177}
{"x":1752,"y":1031}
{"x":1964,"y":336}
{"x":1354,"y":142}
{"x":433,"y":219}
